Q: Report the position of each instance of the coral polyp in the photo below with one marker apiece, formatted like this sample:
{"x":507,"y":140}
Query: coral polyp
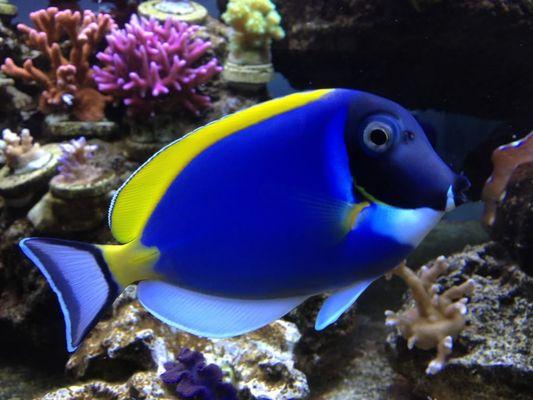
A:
{"x":68,"y":85}
{"x":148,"y":61}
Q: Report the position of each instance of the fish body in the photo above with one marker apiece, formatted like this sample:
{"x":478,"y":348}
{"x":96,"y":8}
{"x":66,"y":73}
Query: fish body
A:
{"x":240,"y":221}
{"x":266,"y":203}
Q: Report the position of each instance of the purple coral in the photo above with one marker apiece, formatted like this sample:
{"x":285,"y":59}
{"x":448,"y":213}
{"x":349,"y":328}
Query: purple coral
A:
{"x":196,"y":380}
{"x":148,"y":60}
{"x":75,"y":163}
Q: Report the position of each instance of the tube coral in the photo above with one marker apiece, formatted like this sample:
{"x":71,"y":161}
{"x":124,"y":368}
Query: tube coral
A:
{"x":437,"y":318}
{"x":69,"y":83}
{"x":148,"y":61}
{"x":255,"y":22}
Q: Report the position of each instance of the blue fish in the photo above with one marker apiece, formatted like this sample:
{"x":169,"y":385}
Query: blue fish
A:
{"x":232,"y":226}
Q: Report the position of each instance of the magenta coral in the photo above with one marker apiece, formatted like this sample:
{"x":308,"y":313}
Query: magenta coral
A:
{"x":148,"y":61}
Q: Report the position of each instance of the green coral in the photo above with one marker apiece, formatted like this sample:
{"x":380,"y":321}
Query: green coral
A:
{"x":255,"y":23}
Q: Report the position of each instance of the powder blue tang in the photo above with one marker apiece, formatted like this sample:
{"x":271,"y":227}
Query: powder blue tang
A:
{"x":237,"y":223}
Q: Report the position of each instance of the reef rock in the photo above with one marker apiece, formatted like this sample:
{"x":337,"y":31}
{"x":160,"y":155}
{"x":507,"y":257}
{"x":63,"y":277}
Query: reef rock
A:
{"x":492,"y":355}
{"x":142,"y":385}
{"x":424,"y":54}
{"x":513,"y":223}
{"x":29,"y":318}
{"x":261,"y":363}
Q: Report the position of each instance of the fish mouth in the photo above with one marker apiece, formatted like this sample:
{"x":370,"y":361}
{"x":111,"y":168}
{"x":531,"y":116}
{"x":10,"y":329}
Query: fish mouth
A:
{"x":450,"y":199}
{"x":455,"y":196}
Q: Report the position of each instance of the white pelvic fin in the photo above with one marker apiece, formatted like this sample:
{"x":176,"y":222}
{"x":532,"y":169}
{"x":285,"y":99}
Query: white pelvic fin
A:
{"x":207,"y":315}
{"x":336,"y":304}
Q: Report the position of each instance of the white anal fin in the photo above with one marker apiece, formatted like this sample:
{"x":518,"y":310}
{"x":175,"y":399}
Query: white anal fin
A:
{"x":210,"y":316}
{"x":336,"y":304}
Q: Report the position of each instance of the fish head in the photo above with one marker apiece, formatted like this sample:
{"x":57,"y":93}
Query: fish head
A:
{"x":393,"y":162}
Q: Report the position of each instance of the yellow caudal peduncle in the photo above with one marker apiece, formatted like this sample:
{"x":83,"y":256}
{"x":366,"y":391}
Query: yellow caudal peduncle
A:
{"x":131,"y":262}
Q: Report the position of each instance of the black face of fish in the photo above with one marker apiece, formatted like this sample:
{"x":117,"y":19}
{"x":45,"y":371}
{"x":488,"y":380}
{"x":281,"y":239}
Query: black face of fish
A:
{"x":392,"y":160}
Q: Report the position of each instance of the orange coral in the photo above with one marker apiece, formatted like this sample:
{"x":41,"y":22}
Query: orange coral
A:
{"x":505,"y":160}
{"x":69,"y":83}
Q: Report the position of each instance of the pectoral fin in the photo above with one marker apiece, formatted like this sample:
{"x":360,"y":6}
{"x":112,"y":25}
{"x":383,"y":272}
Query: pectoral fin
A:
{"x":336,"y":304}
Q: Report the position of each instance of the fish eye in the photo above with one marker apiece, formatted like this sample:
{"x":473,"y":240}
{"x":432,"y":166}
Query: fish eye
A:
{"x":377,"y":136}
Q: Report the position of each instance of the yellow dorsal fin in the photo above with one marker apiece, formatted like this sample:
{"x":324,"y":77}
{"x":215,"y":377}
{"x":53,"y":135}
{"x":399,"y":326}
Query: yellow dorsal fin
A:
{"x":139,"y":195}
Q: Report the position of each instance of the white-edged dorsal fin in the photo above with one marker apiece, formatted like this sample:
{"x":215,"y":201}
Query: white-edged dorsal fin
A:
{"x":135,"y":201}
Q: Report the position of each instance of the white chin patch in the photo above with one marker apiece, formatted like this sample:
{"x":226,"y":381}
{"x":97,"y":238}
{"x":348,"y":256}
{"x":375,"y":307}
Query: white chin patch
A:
{"x":407,"y":226}
{"x":450,"y":202}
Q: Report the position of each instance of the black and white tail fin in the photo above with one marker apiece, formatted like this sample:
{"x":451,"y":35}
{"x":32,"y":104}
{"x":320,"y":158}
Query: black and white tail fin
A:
{"x":80,"y":277}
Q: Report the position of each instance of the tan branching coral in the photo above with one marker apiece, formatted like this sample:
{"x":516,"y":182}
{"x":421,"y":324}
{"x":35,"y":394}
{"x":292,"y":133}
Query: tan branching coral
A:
{"x":505,"y":159}
{"x":69,"y":83}
{"x":21,"y":154}
{"x":437,"y":318}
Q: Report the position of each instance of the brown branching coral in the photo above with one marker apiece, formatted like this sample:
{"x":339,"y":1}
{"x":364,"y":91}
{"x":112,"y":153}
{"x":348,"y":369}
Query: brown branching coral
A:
{"x":505,"y":159}
{"x":437,"y":318}
{"x":69,"y":83}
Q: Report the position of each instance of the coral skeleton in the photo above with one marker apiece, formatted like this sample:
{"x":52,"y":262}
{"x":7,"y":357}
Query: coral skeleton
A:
{"x":75,"y":164}
{"x":255,"y":23}
{"x":505,"y":159}
{"x":68,"y":85}
{"x":437,"y":318}
{"x":149,"y":61}
{"x":196,"y":380}
{"x":21,"y":153}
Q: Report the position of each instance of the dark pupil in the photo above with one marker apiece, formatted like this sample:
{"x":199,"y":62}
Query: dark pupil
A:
{"x":379,"y":137}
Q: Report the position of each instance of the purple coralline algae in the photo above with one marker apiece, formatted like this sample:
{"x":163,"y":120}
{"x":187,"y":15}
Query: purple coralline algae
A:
{"x":196,"y":380}
{"x":75,"y":164}
{"x":149,"y":61}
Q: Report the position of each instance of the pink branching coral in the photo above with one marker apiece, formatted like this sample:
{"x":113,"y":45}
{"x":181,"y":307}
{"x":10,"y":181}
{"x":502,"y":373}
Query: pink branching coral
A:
{"x":69,"y":83}
{"x":75,"y":164}
{"x":505,"y":159}
{"x":148,"y":61}
{"x":436,"y":318}
{"x":21,"y":154}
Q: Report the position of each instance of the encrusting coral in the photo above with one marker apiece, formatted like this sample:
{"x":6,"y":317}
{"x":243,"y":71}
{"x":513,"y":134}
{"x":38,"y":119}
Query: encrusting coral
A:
{"x":147,"y":63}
{"x":69,"y":85}
{"x":21,"y":153}
{"x":196,"y":380}
{"x":75,"y":163}
{"x":437,"y":318}
{"x":505,"y":159}
{"x":255,"y":23}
